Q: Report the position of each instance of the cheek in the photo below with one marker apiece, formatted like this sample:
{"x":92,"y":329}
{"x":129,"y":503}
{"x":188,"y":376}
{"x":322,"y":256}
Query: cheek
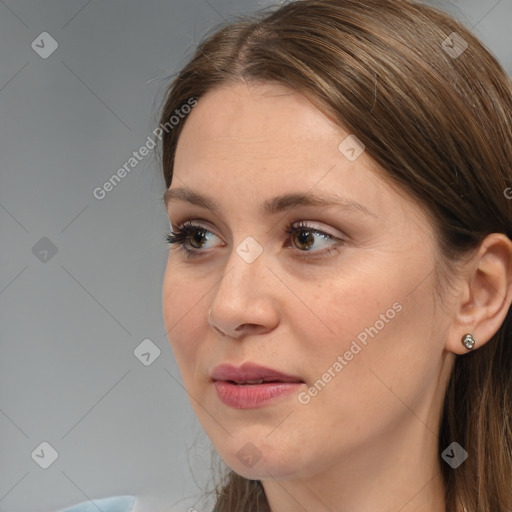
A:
{"x":384,"y":331}
{"x":183,"y":304}
{"x":347,"y":306}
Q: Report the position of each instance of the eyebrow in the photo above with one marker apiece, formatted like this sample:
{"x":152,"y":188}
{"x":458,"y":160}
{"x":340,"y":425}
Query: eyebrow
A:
{"x":270,"y":206}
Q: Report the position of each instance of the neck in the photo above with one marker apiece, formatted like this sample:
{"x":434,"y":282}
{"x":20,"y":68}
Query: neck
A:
{"x":401,"y":474}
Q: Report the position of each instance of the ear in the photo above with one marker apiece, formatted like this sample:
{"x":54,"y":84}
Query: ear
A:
{"x":486,"y":293}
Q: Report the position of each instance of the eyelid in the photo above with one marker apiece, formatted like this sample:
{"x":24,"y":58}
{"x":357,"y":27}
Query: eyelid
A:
{"x":203,"y":223}
{"x":337,"y":242}
{"x":310,"y":225}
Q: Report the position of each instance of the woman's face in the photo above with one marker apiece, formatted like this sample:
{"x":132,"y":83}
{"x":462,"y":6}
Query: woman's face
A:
{"x":345,"y":305}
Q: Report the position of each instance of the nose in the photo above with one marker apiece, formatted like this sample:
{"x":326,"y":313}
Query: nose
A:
{"x":245,"y":300}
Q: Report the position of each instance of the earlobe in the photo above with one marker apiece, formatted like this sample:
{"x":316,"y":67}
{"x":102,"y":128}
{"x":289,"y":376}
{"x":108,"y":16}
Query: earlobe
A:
{"x":487,"y":295}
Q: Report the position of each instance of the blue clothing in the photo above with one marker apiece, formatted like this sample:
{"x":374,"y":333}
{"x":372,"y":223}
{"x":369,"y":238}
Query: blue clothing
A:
{"x":112,"y":504}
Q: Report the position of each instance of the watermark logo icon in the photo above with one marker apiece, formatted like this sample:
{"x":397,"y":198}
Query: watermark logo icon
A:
{"x":45,"y":455}
{"x":44,"y":250}
{"x":249,"y":455}
{"x":147,"y":352}
{"x":249,"y":249}
{"x":454,"y":45}
{"x":454,"y":455}
{"x":44,"y":45}
{"x":352,"y":148}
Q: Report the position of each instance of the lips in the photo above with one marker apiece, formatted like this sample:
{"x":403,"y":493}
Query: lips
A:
{"x":251,"y":374}
{"x":252,"y":386}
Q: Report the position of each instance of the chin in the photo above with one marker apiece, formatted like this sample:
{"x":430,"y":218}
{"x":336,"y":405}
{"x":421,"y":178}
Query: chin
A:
{"x":259,"y":463}
{"x":262,"y":470}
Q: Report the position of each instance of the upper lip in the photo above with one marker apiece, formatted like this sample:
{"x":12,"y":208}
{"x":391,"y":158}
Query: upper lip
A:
{"x":251,"y":371}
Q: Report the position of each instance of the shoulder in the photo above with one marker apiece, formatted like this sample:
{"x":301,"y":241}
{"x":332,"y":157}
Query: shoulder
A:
{"x":112,"y":504}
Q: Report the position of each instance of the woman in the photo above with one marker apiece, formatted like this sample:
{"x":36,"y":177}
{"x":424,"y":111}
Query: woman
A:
{"x":339,"y":281}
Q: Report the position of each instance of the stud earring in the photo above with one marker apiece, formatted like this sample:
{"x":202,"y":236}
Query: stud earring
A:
{"x":468,"y":341}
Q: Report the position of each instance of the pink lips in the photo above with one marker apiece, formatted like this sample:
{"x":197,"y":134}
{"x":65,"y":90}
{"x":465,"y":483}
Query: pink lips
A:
{"x":252,"y":385}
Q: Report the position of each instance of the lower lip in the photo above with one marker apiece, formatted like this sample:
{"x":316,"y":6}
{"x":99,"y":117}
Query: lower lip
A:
{"x":251,"y":396}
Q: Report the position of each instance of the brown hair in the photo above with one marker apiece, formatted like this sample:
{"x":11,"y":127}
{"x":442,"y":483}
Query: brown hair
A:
{"x":440,"y":125}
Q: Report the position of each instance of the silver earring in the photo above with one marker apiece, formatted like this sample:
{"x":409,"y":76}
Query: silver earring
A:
{"x":468,"y":341}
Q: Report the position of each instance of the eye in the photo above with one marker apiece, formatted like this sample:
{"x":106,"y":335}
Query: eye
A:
{"x":193,"y":237}
{"x":187,"y":235}
{"x":304,"y":236}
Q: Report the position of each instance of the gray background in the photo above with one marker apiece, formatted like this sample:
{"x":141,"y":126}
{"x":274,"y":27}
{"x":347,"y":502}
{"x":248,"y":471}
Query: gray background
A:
{"x":70,"y":321}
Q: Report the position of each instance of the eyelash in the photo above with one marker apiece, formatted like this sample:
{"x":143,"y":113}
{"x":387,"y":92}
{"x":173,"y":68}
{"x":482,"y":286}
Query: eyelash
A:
{"x":183,"y":233}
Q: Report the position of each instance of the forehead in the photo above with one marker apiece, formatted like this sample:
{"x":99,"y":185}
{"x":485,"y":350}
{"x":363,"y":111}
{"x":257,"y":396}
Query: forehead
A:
{"x":264,"y":125}
{"x":249,"y":140}
{"x":244,"y":117}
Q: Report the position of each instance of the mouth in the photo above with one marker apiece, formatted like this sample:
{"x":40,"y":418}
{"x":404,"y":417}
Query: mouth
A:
{"x":254,"y":393}
{"x":251,"y":392}
{"x":254,"y":382}
{"x":251,"y":374}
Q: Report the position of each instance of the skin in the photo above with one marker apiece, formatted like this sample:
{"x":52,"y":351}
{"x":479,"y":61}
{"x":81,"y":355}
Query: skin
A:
{"x":368,"y":440}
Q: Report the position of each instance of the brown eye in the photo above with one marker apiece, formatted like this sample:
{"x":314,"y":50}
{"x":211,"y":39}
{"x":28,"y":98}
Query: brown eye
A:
{"x":190,"y":237}
{"x":304,"y":239}
{"x":198,"y":237}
